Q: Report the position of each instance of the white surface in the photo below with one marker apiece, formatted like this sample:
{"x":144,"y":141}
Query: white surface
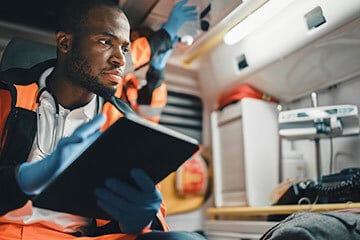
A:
{"x":191,"y":221}
{"x":245,"y":148}
{"x":285,"y":58}
{"x":293,"y":165}
{"x":261,"y":148}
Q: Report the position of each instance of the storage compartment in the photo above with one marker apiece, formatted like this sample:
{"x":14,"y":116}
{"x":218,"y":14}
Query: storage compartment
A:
{"x":246,"y":153}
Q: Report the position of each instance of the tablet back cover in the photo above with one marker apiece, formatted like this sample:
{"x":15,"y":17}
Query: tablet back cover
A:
{"x":128,"y":143}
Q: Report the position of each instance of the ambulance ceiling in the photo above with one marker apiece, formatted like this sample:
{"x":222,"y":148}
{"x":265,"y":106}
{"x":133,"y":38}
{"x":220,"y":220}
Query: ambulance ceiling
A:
{"x":35,"y":20}
{"x":40,"y":14}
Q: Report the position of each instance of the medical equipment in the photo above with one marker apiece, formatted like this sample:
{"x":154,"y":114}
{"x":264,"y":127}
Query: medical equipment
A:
{"x":41,"y":112}
{"x":318,"y":122}
{"x":340,"y":187}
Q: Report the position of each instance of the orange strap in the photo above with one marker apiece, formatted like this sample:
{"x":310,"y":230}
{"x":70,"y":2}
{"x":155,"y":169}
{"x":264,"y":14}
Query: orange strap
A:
{"x":131,"y":86}
{"x":5,"y":106}
{"x":39,"y":232}
{"x":159,"y":98}
{"x":26,"y":96}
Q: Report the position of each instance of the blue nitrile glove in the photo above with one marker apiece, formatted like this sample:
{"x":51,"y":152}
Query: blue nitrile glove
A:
{"x":133,"y":208}
{"x":178,"y":16}
{"x":159,"y":61}
{"x":33,"y":177}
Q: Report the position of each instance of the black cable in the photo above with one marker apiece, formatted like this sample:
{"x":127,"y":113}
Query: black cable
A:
{"x":331,"y":155}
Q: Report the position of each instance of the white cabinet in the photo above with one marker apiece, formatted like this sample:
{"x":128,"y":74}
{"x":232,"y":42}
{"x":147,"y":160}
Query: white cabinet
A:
{"x":246,"y":153}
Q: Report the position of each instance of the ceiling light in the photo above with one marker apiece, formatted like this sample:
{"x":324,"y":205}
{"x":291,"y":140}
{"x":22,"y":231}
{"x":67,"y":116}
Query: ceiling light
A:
{"x":253,"y":21}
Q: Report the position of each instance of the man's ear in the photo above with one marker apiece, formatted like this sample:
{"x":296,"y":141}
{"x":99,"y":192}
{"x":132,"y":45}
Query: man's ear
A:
{"x":63,"y":41}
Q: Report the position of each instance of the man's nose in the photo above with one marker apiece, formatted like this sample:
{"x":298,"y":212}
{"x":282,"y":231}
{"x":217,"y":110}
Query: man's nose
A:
{"x":118,"y":57}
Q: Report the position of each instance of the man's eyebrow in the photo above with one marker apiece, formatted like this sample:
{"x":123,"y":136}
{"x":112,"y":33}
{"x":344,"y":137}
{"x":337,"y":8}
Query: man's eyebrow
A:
{"x":108,"y":34}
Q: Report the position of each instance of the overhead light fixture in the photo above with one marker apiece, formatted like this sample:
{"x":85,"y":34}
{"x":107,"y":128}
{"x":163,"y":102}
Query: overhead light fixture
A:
{"x":253,"y":21}
{"x":241,"y":30}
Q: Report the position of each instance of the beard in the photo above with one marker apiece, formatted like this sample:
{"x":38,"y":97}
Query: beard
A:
{"x":78,"y":72}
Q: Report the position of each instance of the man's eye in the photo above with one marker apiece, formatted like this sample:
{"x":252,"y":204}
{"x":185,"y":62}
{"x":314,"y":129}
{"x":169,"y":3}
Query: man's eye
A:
{"x":105,"y":42}
{"x":125,"y":50}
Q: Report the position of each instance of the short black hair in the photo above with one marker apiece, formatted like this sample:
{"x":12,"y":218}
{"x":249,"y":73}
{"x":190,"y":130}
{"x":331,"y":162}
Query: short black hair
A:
{"x":73,"y":13}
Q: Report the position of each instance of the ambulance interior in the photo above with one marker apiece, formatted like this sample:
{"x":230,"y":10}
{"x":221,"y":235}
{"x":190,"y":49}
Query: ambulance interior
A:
{"x":270,"y":89}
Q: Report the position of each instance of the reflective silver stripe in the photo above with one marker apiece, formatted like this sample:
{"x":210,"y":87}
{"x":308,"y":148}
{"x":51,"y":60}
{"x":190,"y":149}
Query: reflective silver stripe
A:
{"x":149,"y":111}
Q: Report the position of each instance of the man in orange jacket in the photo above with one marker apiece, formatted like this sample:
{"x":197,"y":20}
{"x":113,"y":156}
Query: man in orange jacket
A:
{"x":143,"y":85}
{"x":40,"y":111}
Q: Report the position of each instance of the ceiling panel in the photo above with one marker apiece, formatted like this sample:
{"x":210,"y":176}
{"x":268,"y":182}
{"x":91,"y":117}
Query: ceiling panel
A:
{"x":137,"y":10}
{"x":36,"y":19}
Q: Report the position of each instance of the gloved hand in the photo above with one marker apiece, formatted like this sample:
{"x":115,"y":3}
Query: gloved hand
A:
{"x":178,"y":16}
{"x":159,"y":61}
{"x":134,"y":208}
{"x":33,"y":177}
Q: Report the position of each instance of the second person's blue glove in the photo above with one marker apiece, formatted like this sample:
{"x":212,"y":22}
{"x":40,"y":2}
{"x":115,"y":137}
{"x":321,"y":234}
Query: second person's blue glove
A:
{"x":178,"y":16}
{"x":159,"y":61}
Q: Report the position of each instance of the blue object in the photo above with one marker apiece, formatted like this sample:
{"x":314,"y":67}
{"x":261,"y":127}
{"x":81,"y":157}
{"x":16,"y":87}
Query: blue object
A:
{"x":134,"y":207}
{"x":178,"y":16}
{"x":35,"y":176}
{"x":159,"y":61}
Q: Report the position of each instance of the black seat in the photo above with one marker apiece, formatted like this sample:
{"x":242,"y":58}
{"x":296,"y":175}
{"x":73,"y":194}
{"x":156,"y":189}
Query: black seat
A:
{"x":23,"y":53}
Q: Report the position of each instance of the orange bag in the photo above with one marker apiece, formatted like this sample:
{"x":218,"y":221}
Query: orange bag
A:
{"x":244,"y":90}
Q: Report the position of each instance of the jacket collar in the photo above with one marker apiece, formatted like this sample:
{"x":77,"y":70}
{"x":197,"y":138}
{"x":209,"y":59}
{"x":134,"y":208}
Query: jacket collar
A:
{"x":23,"y":76}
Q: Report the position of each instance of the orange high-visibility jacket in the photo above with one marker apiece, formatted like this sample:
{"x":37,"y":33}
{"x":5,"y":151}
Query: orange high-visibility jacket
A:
{"x":18,"y":93}
{"x":150,"y":99}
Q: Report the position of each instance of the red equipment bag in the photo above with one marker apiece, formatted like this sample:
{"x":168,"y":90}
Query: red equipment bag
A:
{"x":244,"y":90}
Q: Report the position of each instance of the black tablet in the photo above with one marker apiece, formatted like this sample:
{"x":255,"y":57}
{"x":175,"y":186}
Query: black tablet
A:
{"x":131,"y":142}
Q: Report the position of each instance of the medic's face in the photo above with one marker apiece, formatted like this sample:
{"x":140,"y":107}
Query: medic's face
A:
{"x":97,"y":57}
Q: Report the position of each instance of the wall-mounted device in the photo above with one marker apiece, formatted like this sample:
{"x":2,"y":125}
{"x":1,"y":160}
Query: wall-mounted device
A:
{"x":317,"y":122}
